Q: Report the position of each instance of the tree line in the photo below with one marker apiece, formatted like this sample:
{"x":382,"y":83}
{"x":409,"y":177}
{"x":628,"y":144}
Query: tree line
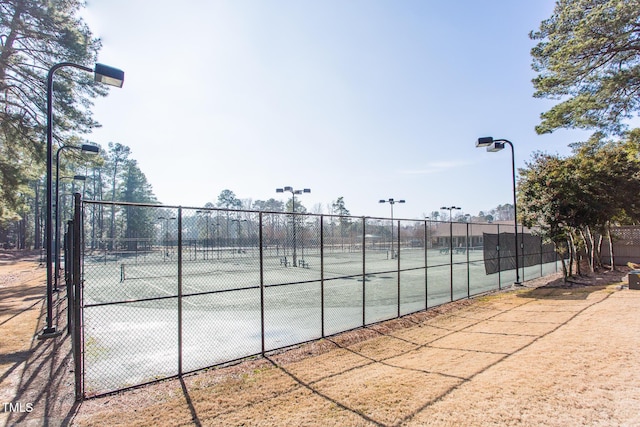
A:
{"x":587,"y":59}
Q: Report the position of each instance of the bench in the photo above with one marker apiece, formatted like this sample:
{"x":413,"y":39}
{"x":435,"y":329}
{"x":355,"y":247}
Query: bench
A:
{"x":461,"y":250}
{"x":444,"y":250}
{"x":283,"y":261}
{"x":303,"y":263}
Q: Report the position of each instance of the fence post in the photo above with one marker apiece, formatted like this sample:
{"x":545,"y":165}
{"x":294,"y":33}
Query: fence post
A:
{"x":499,"y":258}
{"x":450,"y":256}
{"x":261,"y":243}
{"x":364,"y":272}
{"x":541,"y":258}
{"x":179,"y":291}
{"x":322,"y":274}
{"x":69,"y":255}
{"x":521,"y":251}
{"x":398,"y":263}
{"x":77,"y":298}
{"x":426,"y":269}
{"x":468,"y":263}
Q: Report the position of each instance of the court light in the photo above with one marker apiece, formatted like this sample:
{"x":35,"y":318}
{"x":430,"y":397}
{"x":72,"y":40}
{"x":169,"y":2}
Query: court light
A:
{"x":293,"y":210}
{"x":484,"y":141}
{"x":392,"y":202}
{"x":103,"y":74}
{"x":108,"y":75}
{"x":494,"y":145}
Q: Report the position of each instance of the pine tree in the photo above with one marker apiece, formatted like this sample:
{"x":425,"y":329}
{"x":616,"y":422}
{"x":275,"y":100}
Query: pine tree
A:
{"x":35,"y":35}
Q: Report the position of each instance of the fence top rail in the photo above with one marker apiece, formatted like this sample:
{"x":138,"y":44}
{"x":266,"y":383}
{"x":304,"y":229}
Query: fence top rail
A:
{"x":306,"y":214}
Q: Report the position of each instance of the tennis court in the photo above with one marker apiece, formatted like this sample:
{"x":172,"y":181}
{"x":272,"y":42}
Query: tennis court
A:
{"x":176,"y":308}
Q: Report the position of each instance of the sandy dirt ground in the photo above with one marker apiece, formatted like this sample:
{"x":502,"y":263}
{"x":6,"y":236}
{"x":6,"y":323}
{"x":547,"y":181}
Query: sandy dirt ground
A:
{"x":548,"y":353}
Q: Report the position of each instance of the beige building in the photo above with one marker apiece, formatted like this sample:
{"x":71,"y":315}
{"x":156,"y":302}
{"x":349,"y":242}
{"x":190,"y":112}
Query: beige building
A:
{"x":441,"y":232}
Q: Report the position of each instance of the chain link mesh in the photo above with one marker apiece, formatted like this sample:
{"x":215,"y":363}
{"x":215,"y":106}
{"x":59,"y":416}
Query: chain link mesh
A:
{"x":172,"y":290}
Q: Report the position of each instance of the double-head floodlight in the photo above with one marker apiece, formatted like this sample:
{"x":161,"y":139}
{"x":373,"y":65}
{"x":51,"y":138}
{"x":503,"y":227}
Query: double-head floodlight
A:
{"x":492,"y":146}
{"x":450,"y":208}
{"x":292,"y":191}
{"x":392,"y":201}
{"x":293,"y":210}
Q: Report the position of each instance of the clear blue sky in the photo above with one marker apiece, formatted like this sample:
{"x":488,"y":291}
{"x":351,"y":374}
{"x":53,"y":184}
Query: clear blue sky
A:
{"x":364,"y":99}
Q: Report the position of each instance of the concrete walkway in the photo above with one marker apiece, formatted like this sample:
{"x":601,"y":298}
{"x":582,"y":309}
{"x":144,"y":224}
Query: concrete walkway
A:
{"x":535,"y":356}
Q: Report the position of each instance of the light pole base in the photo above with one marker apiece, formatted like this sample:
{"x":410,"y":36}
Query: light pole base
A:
{"x":517,"y":284}
{"x":49,"y":333}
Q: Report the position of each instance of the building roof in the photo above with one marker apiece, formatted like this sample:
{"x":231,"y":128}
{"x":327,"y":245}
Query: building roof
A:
{"x":442,"y":229}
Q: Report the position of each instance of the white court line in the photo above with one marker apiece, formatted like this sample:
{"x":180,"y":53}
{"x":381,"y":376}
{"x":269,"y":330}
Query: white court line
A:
{"x":164,"y":290}
{"x":224,"y":298}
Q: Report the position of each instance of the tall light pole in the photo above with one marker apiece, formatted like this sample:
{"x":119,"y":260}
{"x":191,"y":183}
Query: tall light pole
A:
{"x":392,"y":202}
{"x":293,"y":211}
{"x":238,"y":221}
{"x":208,"y":215}
{"x":494,"y":145}
{"x":450,"y":208}
{"x":470,"y":221}
{"x":85,"y":148}
{"x":102,"y":74}
{"x":166,"y":219}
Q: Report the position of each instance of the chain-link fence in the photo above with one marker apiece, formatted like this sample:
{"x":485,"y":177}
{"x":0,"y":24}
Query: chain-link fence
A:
{"x":171,"y":290}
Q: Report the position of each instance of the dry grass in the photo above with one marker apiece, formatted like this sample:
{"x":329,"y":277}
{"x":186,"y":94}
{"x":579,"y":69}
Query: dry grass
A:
{"x":546,"y":354}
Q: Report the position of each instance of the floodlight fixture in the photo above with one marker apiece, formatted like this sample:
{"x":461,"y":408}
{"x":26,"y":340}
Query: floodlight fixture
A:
{"x":494,"y":145}
{"x":450,"y":208}
{"x":392,"y":202}
{"x":108,"y":75}
{"x":90,"y":149}
{"x":484,"y":141}
{"x":293,"y":210}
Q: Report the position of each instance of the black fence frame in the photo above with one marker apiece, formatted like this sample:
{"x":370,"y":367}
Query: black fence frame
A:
{"x":76,"y":251}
